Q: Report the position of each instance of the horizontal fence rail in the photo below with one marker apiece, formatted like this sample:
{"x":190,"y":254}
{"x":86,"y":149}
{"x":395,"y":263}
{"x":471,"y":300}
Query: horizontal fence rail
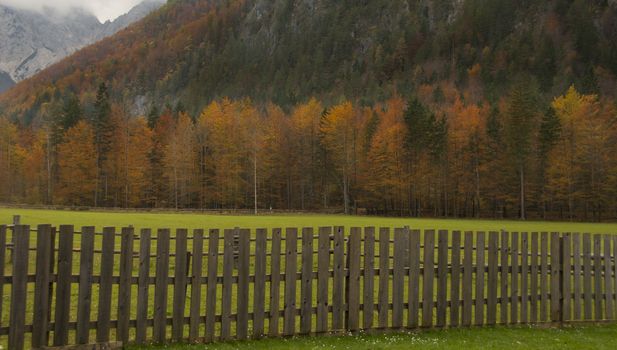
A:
{"x":59,"y":286}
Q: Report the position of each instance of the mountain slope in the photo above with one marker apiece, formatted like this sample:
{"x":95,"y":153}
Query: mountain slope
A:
{"x":30,"y":40}
{"x":190,"y":52}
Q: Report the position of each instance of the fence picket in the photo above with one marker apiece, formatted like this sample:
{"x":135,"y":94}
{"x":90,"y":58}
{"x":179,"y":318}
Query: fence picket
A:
{"x":306,"y":296}
{"x":514,"y":277}
{"x":107,"y":269}
{"x":161,"y":285}
{"x":368,"y":299}
{"x":398,"y":282}
{"x":323,"y":278}
{"x":543,"y":277}
{"x":587,"y":291}
{"x":442,"y":278}
{"x":353,"y":289}
{"x":555,"y":277}
{"x":212,"y":283}
{"x":384,"y":276}
{"x":493,"y":265}
{"x":428,"y":279}
{"x":275,"y":283}
{"x":576,"y":257}
{"x":259,"y":288}
{"x":597,"y":277}
{"x":566,"y":280}
{"x":339,"y":280}
{"x":196,"y":275}
{"x":480,"y":266}
{"x":143,"y":286}
{"x":17,"y":318}
{"x":504,"y":275}
{"x":291,"y":273}
{"x":244,"y":251}
{"x":85,"y":284}
{"x":414,"y":279}
{"x":228,"y":267}
{"x":524,"y":317}
{"x":40,"y":321}
{"x":455,"y":283}
{"x":608,"y":283}
{"x":124,"y":290}
{"x":467,"y":280}
{"x":533,"y":282}
{"x":63,"y":289}
{"x":2,"y":265}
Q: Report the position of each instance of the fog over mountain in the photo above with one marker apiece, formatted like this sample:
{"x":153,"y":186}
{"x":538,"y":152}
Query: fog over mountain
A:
{"x":33,"y":37}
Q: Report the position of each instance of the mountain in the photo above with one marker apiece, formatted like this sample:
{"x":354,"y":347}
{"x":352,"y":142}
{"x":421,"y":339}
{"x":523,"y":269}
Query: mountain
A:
{"x":30,"y":41}
{"x":5,"y":81}
{"x":193,"y":51}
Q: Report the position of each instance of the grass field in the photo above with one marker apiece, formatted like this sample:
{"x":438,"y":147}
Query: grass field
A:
{"x":191,"y":221}
{"x":589,"y":337}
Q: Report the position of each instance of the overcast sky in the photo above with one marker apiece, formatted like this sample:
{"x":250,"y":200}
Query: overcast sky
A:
{"x":103,"y":9}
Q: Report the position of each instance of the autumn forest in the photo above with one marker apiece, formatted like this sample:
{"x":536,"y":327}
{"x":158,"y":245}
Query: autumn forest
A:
{"x":475,"y":108}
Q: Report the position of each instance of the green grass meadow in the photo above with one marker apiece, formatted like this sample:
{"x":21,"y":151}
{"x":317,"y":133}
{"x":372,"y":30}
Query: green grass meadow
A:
{"x":512,"y":338}
{"x":191,"y":221}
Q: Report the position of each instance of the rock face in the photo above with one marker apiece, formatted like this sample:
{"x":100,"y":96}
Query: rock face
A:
{"x":30,"y":41}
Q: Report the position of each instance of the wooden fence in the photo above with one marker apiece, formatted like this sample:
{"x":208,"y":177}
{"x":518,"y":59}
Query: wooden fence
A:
{"x":70,"y":287}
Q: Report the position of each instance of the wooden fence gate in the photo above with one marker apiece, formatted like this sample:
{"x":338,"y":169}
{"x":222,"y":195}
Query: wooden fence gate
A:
{"x":62,"y":287}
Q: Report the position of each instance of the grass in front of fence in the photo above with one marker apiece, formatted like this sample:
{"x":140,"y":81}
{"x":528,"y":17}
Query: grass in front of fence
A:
{"x":587,"y":337}
{"x":191,"y":220}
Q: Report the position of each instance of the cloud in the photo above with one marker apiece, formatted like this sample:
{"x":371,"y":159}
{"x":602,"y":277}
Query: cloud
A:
{"x":103,"y":9}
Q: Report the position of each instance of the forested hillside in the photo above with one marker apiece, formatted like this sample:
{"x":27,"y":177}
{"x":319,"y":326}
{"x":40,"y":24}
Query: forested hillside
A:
{"x":438,"y":107}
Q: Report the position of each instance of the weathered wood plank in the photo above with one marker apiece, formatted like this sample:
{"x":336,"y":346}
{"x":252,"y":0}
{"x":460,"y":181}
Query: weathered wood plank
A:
{"x":19,"y":288}
{"x":196,"y":281}
{"x":504,"y":276}
{"x":493,"y":265}
{"x":428,"y":278}
{"x":455,"y":283}
{"x":44,"y":246}
{"x":597,"y":277}
{"x":587,"y":286}
{"x":323,"y":278}
{"x":368,"y":299}
{"x":291,"y":273}
{"x":228,"y":266}
{"x":398,"y":286}
{"x":338,"y":307}
{"x":179,"y":298}
{"x":608,"y":279}
{"x":63,"y":290}
{"x":524,"y":277}
{"x":143,"y":286}
{"x":2,"y":265}
{"x":544,"y":277}
{"x":306,"y":294}
{"x":103,"y":323}
{"x":480,"y":267}
{"x":533,"y":282}
{"x":566,"y":281}
{"x":84,"y":299}
{"x":124,"y":290}
{"x":414,"y":279}
{"x":514,"y":277}
{"x":555,"y":277}
{"x":244,"y":253}
{"x":576,"y":257}
{"x":442,"y":278}
{"x":353,"y":290}
{"x":384,"y":277}
{"x":161,"y":285}
{"x":467,"y":280}
{"x":211,"y":287}
{"x":275,"y":283}
{"x":259,"y":294}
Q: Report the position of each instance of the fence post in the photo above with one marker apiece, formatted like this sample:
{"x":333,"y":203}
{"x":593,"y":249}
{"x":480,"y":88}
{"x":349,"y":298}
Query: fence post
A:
{"x":44,"y":246}
{"x":18,"y":291}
